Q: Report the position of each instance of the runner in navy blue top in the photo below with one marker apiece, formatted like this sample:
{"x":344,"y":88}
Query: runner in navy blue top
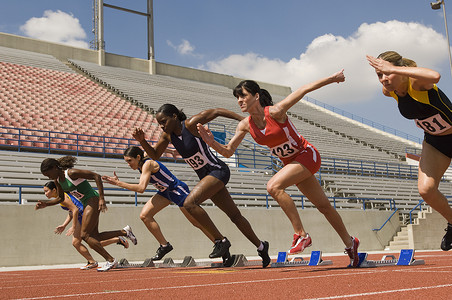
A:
{"x":170,"y":189}
{"x":212,"y":172}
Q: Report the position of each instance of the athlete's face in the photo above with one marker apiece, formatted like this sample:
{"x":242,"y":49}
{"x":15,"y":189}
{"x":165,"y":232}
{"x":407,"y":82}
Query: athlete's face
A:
{"x":391,"y":81}
{"x":132,"y":162}
{"x":50,"y":193}
{"x":167,"y":123}
{"x":247,"y":100}
{"x":52,"y":173}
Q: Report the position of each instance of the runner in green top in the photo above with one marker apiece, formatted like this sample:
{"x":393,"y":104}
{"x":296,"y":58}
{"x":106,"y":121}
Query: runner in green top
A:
{"x":75,"y":181}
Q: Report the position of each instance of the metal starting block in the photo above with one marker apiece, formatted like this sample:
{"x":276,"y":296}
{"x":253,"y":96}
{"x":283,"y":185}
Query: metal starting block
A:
{"x":406,"y":258}
{"x":169,"y":263}
{"x":236,"y":260}
{"x":315,"y":260}
{"x":123,"y":263}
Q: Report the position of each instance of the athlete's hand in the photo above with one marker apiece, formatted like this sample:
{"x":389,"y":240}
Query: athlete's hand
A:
{"x":138,"y":134}
{"x":59,"y":229}
{"x":338,"y":76}
{"x":205,"y":134}
{"x":111,"y":179}
{"x":40,"y":205}
{"x":70,"y":231}
{"x":102,"y":205}
{"x":380,"y":65}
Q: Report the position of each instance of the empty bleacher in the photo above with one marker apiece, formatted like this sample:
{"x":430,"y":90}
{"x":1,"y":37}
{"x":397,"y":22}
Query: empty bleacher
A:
{"x":45,"y":101}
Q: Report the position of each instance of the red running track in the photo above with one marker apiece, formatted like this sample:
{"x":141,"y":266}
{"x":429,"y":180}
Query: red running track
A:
{"x":430,"y":281}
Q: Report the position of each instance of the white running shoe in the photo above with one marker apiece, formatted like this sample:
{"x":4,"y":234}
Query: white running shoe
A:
{"x":130,"y":234}
{"x":89,"y":266}
{"x":108,"y":265}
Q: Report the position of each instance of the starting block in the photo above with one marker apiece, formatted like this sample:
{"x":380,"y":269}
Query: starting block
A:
{"x":406,"y":258}
{"x":236,"y":260}
{"x":123,"y":263}
{"x":169,"y":263}
{"x":315,"y":260}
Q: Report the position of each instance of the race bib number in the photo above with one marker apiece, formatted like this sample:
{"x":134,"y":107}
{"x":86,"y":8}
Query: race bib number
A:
{"x":284,"y":150}
{"x":160,"y":187}
{"x":434,"y":124}
{"x":196,"y":161}
{"x":77,"y":194}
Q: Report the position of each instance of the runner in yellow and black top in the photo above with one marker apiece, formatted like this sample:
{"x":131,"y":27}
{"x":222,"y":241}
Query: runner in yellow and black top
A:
{"x":74,"y":181}
{"x":420,"y":99}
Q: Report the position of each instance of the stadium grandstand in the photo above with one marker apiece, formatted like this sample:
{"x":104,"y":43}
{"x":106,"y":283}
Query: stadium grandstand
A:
{"x":58,"y":100}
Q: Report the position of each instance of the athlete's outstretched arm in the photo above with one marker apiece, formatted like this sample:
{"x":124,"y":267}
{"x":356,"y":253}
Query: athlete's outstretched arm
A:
{"x":153,"y":152}
{"x":208,"y":115}
{"x":229,"y":149}
{"x":279,"y":110}
{"x":148,"y":168}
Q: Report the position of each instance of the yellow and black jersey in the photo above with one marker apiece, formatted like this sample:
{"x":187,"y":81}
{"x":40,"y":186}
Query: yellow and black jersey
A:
{"x":431,"y":110}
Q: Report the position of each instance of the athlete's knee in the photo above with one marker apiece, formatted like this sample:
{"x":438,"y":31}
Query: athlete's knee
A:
{"x":146,"y":218}
{"x":190,"y":204}
{"x":427,"y":191}
{"x":274,"y":189}
{"x":76,"y":243}
{"x":85,"y":236}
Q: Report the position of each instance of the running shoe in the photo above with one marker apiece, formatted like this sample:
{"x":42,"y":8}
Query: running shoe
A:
{"x":123,"y":242}
{"x":264,"y":254}
{"x":108,"y":265}
{"x":353,"y":252}
{"x":220,"y":248}
{"x":130,"y":234}
{"x":89,"y":266}
{"x":228,"y":260}
{"x":299,"y":244}
{"x":446,"y":243}
{"x":162,"y":251}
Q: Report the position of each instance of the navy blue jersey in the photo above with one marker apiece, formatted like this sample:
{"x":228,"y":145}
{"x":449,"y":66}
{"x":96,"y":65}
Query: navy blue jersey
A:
{"x":197,"y":154}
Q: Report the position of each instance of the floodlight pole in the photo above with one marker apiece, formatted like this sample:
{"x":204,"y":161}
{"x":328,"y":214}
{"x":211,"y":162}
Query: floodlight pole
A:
{"x":436,"y":5}
{"x":150,"y":27}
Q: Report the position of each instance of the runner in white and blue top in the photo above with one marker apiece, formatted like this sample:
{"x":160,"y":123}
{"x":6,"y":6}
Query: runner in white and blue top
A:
{"x":212,"y":172}
{"x":170,"y":189}
{"x":168,"y":185}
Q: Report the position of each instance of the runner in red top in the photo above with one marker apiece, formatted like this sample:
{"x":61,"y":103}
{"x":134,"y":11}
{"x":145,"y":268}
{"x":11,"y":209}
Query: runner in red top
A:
{"x":269,"y":125}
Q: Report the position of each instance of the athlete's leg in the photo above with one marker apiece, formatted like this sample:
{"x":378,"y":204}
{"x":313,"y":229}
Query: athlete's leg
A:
{"x":205,"y":189}
{"x":77,"y":243}
{"x":289,"y":175}
{"x":223,"y":200}
{"x":196,"y":223}
{"x":89,"y":231}
{"x":432,"y":166}
{"x":150,"y":209}
{"x":311,"y":188}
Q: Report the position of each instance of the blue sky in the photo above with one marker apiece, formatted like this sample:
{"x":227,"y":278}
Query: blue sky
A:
{"x":288,"y":42}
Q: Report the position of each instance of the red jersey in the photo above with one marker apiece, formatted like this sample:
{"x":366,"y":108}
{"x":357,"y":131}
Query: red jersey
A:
{"x":283,"y":139}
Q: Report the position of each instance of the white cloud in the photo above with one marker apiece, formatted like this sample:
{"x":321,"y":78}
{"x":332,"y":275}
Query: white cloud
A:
{"x":329,"y":53}
{"x":56,"y":26}
{"x":184,"y":48}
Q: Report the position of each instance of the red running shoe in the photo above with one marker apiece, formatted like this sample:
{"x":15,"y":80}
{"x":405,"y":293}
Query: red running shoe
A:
{"x":299,"y":244}
{"x":353,"y":252}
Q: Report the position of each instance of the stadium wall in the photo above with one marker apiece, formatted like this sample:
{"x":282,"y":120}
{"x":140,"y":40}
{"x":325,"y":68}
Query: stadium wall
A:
{"x":28,"y":235}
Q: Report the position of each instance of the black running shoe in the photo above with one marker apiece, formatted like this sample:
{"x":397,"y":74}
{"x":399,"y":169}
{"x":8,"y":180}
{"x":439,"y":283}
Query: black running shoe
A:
{"x":264,"y":254}
{"x":220,"y":248}
{"x":162,"y":251}
{"x":228,"y":260}
{"x":446,"y":243}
